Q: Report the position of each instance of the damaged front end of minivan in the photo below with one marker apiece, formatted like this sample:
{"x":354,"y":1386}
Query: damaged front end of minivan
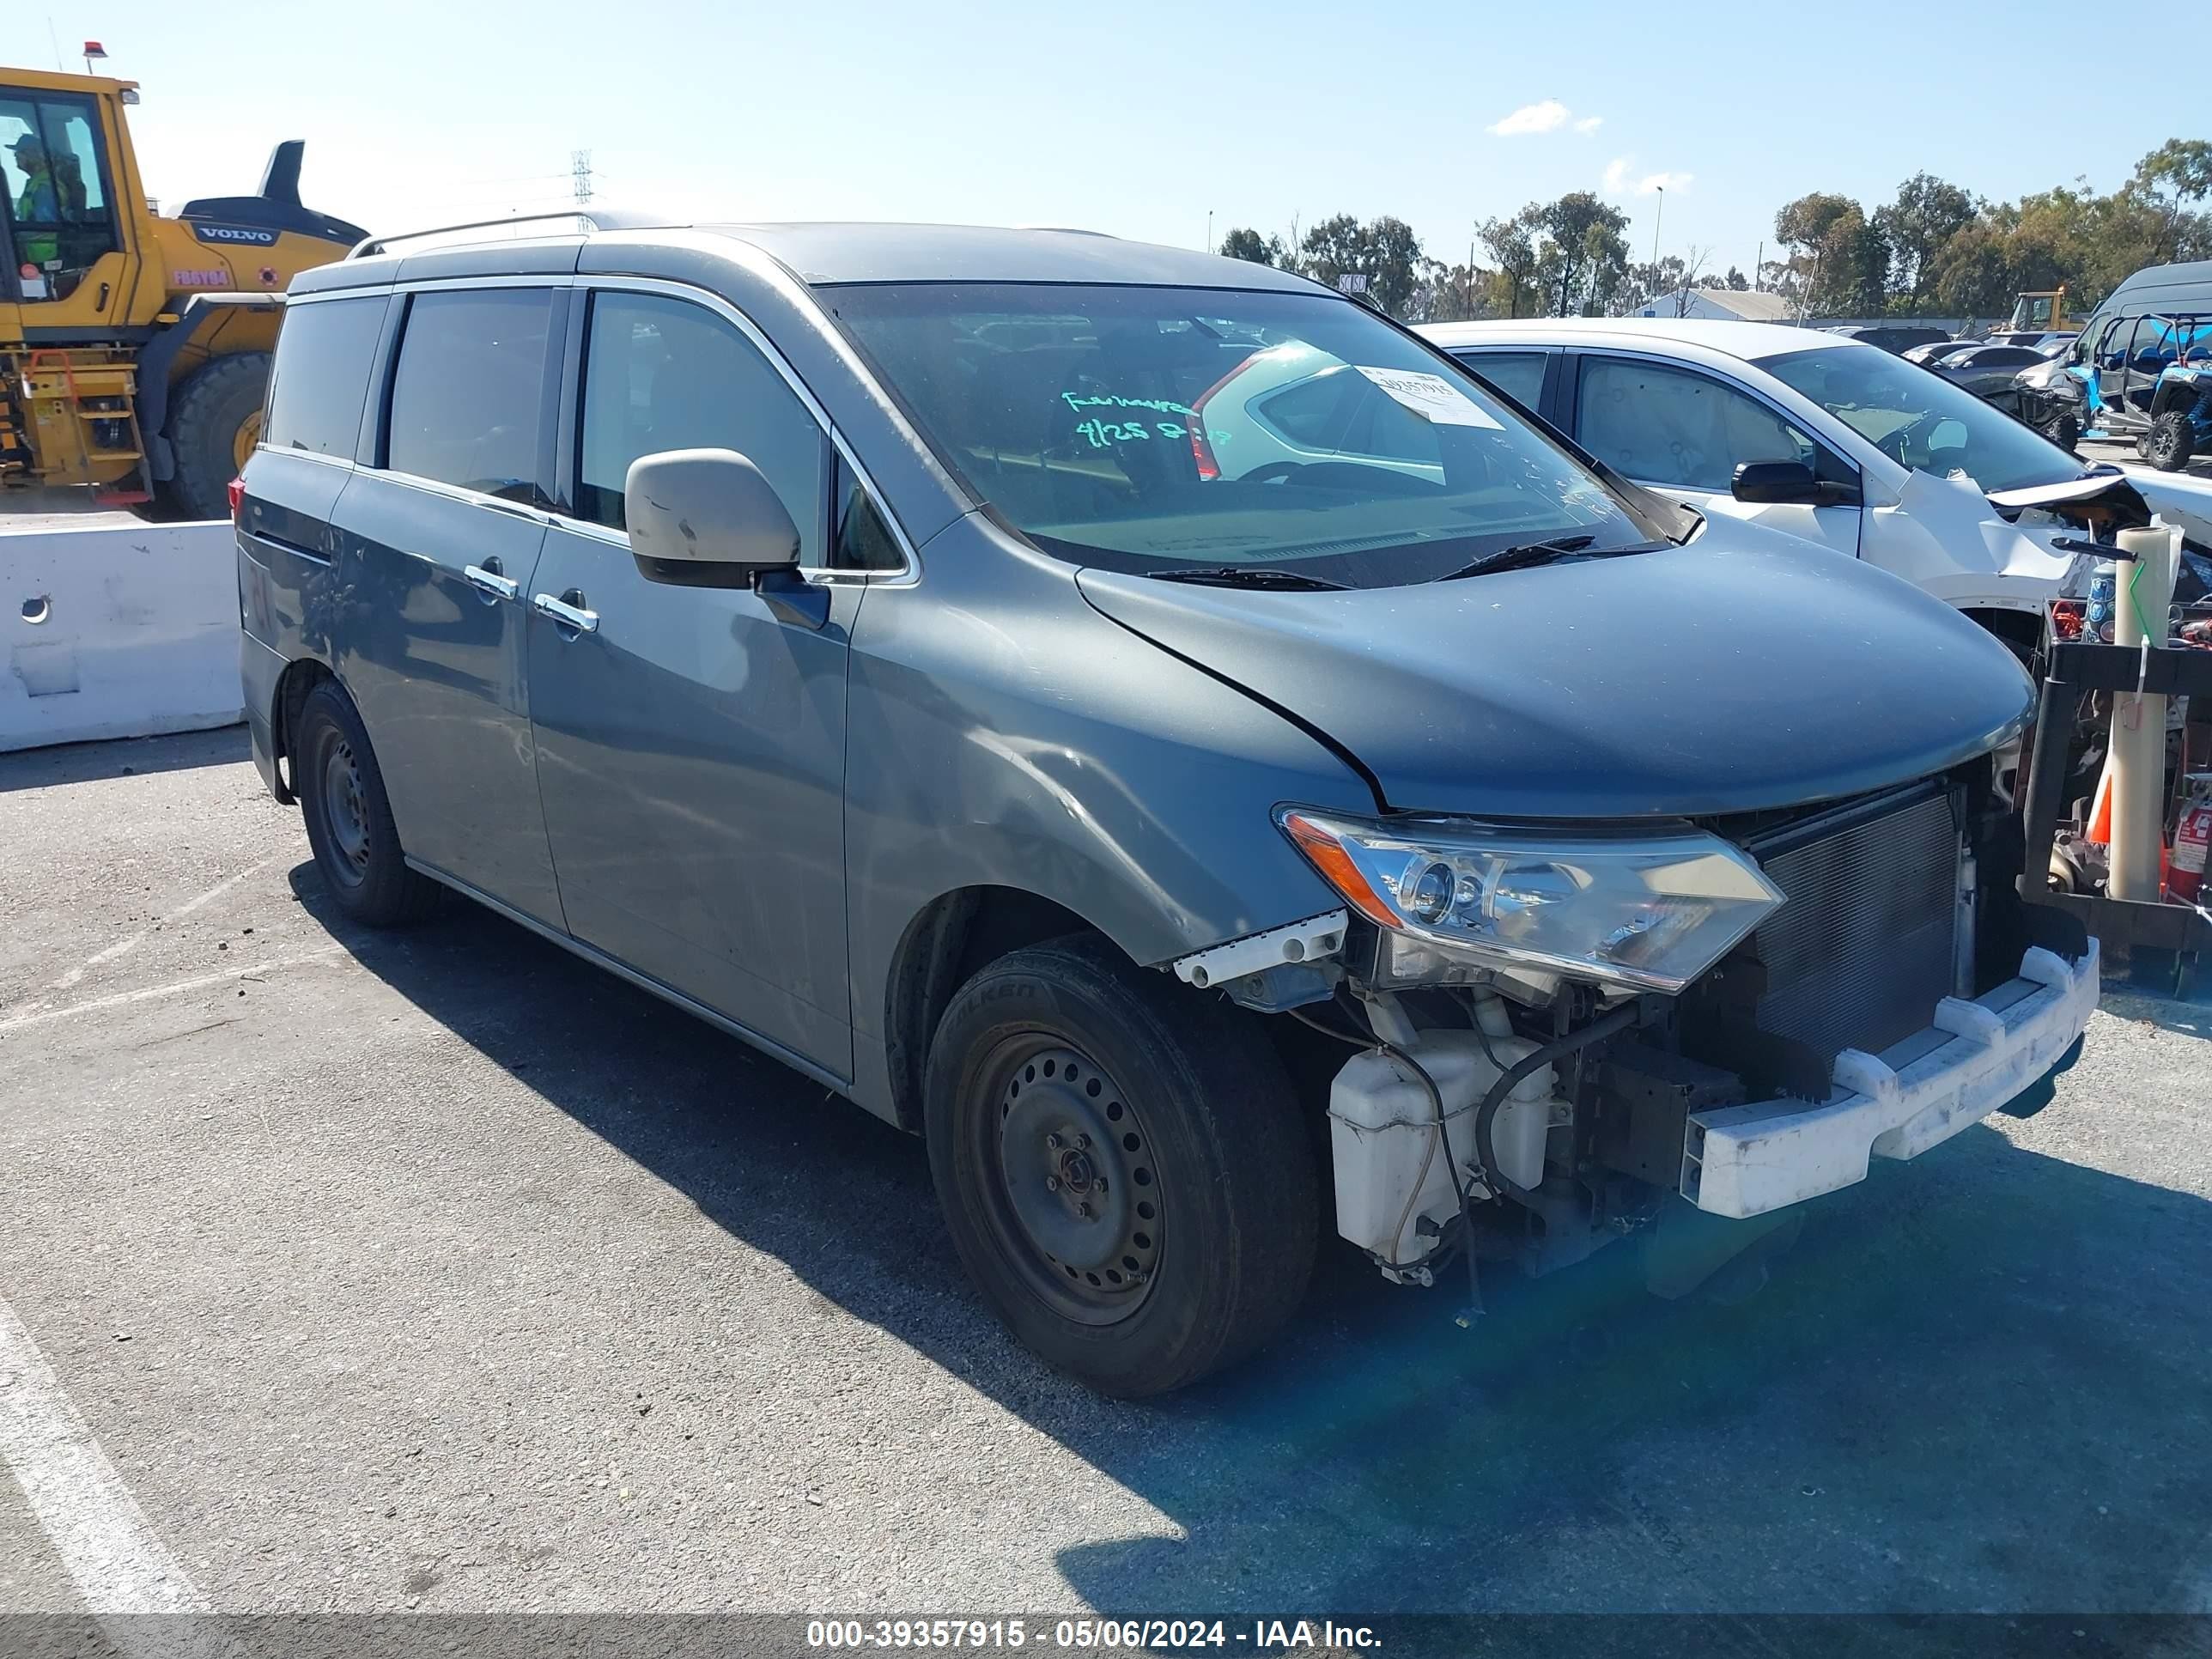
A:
{"x":1563,"y":1034}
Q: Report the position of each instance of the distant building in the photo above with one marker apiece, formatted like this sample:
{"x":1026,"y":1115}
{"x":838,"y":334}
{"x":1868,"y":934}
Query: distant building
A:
{"x":1720,"y":304}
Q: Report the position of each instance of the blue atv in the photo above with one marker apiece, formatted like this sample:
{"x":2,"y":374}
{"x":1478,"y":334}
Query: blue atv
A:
{"x":2157,"y":391}
{"x":2180,"y":413}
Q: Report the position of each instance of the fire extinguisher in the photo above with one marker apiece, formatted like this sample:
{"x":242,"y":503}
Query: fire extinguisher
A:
{"x":2192,"y":833}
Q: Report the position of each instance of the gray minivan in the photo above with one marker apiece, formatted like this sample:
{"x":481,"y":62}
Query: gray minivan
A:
{"x":1154,"y":727}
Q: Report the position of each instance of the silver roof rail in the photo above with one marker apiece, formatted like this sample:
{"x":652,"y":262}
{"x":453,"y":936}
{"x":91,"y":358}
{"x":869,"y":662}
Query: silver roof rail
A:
{"x":591,"y":218}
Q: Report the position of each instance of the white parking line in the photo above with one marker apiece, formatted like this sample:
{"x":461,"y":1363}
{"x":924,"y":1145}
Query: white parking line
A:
{"x":87,"y":1514}
{"x":123,"y":947}
{"x":176,"y":988}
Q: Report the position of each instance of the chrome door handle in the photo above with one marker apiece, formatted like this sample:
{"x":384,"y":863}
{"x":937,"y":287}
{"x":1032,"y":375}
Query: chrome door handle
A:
{"x":568,"y":615}
{"x":490,"y":583}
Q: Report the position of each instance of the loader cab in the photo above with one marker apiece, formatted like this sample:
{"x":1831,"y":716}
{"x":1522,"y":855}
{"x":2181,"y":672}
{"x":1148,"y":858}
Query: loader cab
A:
{"x":2040,"y":311}
{"x":67,"y":260}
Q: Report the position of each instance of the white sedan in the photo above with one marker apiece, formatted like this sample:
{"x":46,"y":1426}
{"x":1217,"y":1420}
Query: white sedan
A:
{"x":1844,"y":444}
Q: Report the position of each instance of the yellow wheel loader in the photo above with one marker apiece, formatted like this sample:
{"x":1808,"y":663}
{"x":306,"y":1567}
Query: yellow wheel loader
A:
{"x":135,"y":348}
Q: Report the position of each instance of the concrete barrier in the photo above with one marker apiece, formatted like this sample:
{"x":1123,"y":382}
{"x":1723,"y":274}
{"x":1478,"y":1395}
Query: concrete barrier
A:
{"x":114,"y":627}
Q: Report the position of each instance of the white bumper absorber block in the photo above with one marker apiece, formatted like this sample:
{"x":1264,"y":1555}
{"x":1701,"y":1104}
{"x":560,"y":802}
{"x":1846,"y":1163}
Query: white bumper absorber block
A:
{"x":1975,"y":1056}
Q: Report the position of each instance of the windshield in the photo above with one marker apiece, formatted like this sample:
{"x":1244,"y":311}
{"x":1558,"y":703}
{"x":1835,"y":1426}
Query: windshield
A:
{"x":1921,"y":420}
{"x":1157,"y":429}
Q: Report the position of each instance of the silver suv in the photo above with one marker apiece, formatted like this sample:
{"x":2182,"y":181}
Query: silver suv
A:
{"x":1150,"y":726}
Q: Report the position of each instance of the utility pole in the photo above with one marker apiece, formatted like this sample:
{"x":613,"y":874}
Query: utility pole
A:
{"x":1209,"y":230}
{"x":1758,"y":266}
{"x":580,"y":169}
{"x":1657,"y":219}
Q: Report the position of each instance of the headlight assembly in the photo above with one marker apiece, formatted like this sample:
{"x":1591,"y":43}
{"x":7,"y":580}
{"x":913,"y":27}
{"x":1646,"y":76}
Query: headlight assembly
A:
{"x":1648,"y":910}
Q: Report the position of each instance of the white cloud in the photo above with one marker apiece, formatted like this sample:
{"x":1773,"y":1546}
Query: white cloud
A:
{"x":1590,"y":124}
{"x":1546,"y":117}
{"x":1618,"y":181}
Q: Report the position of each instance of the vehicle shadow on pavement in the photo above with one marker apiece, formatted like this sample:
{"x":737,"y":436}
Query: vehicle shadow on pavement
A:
{"x":1981,"y":1381}
{"x":2187,"y":1017}
{"x":80,"y":762}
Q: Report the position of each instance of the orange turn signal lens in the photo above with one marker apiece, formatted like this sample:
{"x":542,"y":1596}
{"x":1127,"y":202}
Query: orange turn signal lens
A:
{"x":1337,"y":869}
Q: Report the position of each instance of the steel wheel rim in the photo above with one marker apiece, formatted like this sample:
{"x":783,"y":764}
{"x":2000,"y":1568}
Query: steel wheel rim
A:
{"x":1074,"y":1194}
{"x":247,"y":439}
{"x":344,"y":813}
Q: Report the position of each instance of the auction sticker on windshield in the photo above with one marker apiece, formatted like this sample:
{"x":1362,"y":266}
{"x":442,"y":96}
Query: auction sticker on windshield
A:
{"x":1430,"y":396}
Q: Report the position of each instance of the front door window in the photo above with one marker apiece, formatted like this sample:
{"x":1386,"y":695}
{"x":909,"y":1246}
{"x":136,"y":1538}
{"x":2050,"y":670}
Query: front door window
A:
{"x":1664,"y":426}
{"x":57,"y":187}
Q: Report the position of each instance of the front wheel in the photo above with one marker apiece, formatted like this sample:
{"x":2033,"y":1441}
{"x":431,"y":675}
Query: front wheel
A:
{"x":2064,"y":428}
{"x":1119,"y":1167}
{"x":2171,"y":440}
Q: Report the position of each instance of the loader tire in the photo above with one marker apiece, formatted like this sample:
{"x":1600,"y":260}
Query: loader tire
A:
{"x":213,"y":426}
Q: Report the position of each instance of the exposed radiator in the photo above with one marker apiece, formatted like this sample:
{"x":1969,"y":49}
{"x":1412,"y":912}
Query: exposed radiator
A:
{"x":1866,"y":945}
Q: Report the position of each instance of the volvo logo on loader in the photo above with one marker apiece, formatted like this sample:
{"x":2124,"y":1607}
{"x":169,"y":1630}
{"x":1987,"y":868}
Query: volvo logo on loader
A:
{"x":235,"y":233}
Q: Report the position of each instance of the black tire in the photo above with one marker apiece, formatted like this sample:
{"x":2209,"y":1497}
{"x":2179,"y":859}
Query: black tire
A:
{"x":340,"y":793}
{"x":1187,"y":1112}
{"x":2171,"y":440}
{"x":210,"y":412}
{"x":2064,"y":428}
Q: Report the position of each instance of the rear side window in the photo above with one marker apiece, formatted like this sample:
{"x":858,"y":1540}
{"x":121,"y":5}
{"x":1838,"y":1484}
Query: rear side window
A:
{"x":1340,"y":411}
{"x":1312,"y":412}
{"x":468,"y":395}
{"x":1518,"y":374}
{"x":321,"y":379}
{"x":662,"y":374}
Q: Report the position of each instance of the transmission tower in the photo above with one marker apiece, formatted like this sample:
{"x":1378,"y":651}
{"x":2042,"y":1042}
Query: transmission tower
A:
{"x":579,"y":168}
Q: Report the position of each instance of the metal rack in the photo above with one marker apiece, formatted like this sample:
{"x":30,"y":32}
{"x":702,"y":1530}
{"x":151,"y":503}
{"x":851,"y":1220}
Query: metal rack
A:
{"x":591,"y":219}
{"x":2073,"y":669}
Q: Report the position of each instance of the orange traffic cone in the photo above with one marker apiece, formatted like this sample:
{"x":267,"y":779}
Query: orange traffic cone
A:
{"x":2100,"y":808}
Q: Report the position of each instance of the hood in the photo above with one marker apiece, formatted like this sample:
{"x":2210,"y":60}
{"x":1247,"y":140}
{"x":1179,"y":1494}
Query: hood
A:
{"x":1740,"y":672}
{"x":2181,"y":498}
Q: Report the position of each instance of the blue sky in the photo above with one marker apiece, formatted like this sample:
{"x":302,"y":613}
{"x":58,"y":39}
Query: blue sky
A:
{"x":1135,"y":119}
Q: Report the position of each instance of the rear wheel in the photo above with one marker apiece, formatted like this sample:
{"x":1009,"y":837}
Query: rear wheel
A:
{"x":213,"y":424}
{"x":1119,"y":1167}
{"x":2171,"y":440}
{"x":340,"y":791}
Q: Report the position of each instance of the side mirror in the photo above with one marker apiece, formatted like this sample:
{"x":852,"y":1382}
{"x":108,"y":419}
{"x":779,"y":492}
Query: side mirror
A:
{"x":706,"y":517}
{"x":1779,"y":484}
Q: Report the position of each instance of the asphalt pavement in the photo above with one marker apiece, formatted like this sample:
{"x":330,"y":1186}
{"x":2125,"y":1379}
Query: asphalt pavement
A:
{"x":439,"y":1270}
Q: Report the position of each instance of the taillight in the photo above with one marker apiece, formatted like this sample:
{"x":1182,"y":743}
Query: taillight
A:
{"x":237,"y":497}
{"x":1201,"y":452}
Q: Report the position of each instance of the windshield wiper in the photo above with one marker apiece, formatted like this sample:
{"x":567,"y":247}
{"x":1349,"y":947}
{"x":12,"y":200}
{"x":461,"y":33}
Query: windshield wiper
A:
{"x":1519,"y":554}
{"x":1246,"y":575}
